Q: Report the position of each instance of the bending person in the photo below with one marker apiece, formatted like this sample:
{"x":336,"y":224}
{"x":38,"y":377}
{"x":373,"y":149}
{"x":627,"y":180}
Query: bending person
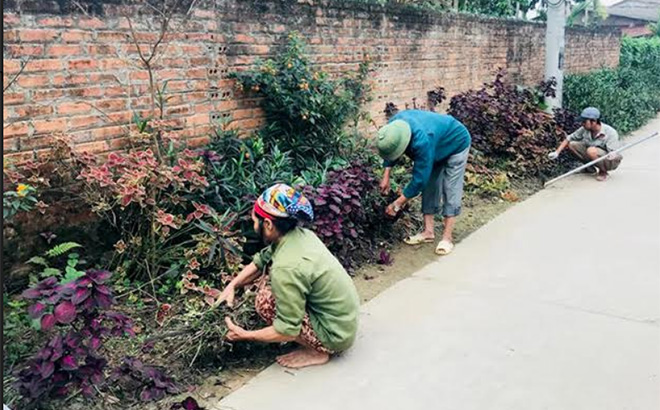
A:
{"x":439,"y":146}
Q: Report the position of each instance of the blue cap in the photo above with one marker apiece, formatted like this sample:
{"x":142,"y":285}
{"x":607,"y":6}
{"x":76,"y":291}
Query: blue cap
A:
{"x":590,"y":113}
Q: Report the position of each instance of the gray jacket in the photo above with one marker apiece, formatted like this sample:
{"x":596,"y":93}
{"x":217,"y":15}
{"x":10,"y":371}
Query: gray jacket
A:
{"x":607,"y":139}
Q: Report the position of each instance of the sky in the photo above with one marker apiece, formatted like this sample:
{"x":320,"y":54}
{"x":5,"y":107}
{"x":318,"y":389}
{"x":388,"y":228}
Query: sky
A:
{"x":606,"y":3}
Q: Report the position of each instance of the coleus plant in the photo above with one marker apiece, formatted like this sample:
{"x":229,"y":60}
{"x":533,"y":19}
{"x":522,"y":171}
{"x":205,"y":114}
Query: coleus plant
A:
{"x":149,"y":202}
{"x":507,"y":123}
{"x":385,"y":258}
{"x":151,"y":382}
{"x":348,"y":210}
{"x":78,"y":316}
{"x":187,"y":404}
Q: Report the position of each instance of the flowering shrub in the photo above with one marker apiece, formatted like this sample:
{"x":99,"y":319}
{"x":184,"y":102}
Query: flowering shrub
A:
{"x":57,"y":212}
{"x":23,"y":199}
{"x":18,"y":199}
{"x":305,"y":109}
{"x":72,"y":358}
{"x":40,"y":177}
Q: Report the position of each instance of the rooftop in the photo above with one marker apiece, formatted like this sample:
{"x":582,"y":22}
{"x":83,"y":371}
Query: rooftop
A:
{"x":647,"y":10}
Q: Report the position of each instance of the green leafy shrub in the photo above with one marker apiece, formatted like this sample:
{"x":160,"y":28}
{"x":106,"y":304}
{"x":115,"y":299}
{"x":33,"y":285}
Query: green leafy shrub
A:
{"x":627,"y":96}
{"x":641,"y":53}
{"x":71,"y":269}
{"x":625,"y":99}
{"x":17,"y":332}
{"x":306,"y":110}
{"x":238,"y":170}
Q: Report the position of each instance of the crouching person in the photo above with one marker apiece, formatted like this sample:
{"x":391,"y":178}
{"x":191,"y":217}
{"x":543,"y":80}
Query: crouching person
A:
{"x":593,"y":140}
{"x":304,"y":293}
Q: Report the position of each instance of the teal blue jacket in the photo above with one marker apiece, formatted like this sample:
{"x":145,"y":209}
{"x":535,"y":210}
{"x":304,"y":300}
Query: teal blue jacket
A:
{"x":435,"y":137}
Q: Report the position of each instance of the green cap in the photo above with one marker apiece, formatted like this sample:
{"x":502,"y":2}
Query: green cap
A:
{"x":393,"y":139}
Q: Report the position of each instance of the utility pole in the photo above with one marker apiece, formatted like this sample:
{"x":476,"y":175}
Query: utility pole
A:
{"x":554,"y":48}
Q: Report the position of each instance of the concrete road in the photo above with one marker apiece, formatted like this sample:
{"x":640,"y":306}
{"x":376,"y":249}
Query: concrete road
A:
{"x":553,"y":305}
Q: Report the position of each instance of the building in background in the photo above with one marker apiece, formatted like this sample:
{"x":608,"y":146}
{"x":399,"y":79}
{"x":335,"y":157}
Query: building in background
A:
{"x":632,"y":16}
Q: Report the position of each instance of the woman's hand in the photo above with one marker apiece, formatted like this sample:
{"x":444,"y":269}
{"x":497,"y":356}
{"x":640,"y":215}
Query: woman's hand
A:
{"x":227,"y":295}
{"x":235,"y":332}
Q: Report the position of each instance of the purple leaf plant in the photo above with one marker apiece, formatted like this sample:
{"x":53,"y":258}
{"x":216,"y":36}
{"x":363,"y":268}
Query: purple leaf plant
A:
{"x":151,"y":382}
{"x":76,"y":314}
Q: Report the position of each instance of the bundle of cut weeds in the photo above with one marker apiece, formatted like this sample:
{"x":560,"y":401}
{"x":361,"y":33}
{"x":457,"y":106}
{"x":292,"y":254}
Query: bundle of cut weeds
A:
{"x":197,"y":331}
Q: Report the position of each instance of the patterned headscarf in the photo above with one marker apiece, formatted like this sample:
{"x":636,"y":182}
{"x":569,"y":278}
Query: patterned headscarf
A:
{"x":282,"y":201}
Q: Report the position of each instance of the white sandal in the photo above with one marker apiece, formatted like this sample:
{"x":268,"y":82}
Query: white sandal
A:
{"x":417,"y":240}
{"x":444,"y":248}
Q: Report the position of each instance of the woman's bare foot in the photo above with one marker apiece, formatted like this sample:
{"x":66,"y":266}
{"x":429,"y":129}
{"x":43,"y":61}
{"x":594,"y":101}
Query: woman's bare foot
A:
{"x":302,"y":357}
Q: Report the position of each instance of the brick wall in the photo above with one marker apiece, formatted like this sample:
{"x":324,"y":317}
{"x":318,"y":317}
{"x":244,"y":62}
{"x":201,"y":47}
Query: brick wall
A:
{"x":84,"y":77}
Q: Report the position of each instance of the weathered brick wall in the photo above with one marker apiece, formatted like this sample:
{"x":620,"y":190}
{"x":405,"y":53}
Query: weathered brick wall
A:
{"x":588,"y":49}
{"x":84,"y":77}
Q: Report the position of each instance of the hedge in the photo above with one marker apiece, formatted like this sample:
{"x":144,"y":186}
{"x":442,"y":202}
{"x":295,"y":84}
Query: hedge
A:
{"x":627,"y":96}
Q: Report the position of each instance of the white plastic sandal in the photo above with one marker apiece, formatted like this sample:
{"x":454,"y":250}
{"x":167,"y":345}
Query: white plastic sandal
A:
{"x":444,"y":248}
{"x":417,"y":240}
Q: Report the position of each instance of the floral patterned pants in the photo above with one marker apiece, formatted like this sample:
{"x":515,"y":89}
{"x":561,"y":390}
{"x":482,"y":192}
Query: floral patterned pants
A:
{"x":265,"y":306}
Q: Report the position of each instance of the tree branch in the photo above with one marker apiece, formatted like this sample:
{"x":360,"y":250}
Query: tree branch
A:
{"x":13,"y":80}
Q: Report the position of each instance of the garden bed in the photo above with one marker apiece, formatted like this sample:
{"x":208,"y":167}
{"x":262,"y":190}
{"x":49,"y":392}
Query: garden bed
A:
{"x":209,"y":385}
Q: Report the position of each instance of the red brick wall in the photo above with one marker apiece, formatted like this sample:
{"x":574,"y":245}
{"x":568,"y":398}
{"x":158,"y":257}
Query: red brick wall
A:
{"x":587,"y":50}
{"x":84,"y":77}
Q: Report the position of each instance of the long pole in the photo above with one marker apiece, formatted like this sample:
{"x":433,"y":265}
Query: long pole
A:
{"x":596,"y":161}
{"x":554,"y":49}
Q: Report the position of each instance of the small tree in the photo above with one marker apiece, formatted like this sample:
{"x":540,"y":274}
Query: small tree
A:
{"x":306,"y":110}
